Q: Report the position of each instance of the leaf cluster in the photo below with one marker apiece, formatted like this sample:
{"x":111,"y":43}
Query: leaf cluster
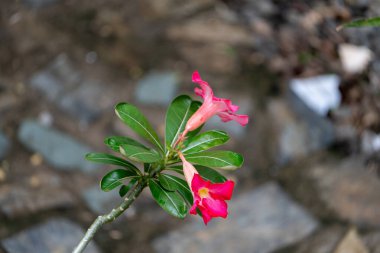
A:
{"x":160,"y":165}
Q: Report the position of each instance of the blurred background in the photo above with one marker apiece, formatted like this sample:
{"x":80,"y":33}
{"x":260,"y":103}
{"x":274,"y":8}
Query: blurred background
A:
{"x":310,"y":182}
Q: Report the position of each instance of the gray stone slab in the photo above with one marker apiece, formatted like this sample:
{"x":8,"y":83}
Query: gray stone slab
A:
{"x":21,"y":198}
{"x":260,"y":221}
{"x":53,"y":236}
{"x":4,"y":145}
{"x":39,"y":3}
{"x":320,"y":129}
{"x":69,"y":89}
{"x":101,"y":202}
{"x":58,"y":149}
{"x":157,"y":88}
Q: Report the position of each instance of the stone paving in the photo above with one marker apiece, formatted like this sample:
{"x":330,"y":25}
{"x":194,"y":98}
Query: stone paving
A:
{"x":310,"y":176}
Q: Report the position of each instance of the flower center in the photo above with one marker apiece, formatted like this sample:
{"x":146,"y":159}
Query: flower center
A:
{"x":203,"y":192}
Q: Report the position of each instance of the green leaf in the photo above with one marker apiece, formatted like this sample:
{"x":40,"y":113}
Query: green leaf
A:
{"x":124,"y":189}
{"x":165,"y":183}
{"x":114,"y":142}
{"x":171,"y":202}
{"x":176,"y":168}
{"x":206,"y":173}
{"x":110,"y":159}
{"x":132,"y":116}
{"x":140,"y":154}
{"x":179,"y":111}
{"x":226,"y":160}
{"x":176,"y":184}
{"x":361,"y":23}
{"x":205,"y":141}
{"x":194,"y":107}
{"x":210,"y":174}
{"x":114,"y":179}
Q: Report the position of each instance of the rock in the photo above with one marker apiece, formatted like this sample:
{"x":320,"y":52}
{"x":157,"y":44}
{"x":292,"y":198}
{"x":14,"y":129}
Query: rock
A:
{"x":354,"y":59}
{"x":102,"y":202}
{"x":57,"y":148}
{"x":311,"y":99}
{"x":351,"y":243}
{"x":341,"y":189}
{"x":372,"y":241}
{"x":217,"y":58}
{"x":260,"y":221}
{"x":370,"y":142}
{"x":39,"y":3}
{"x":294,"y":137}
{"x":84,"y":102}
{"x":323,"y":241}
{"x":65,"y":86}
{"x":210,"y":28}
{"x":175,"y":8}
{"x":157,"y":88}
{"x":320,"y":94}
{"x":42,"y":192}
{"x":55,"y":235}
{"x":4,"y":145}
{"x":56,"y":78}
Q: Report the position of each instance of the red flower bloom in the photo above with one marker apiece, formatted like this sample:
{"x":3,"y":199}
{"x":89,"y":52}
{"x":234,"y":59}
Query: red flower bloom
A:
{"x":212,"y":106}
{"x":209,"y":198}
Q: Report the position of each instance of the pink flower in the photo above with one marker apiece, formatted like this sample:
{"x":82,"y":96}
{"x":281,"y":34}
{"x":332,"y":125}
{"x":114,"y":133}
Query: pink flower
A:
{"x":212,"y":106}
{"x":209,"y":198}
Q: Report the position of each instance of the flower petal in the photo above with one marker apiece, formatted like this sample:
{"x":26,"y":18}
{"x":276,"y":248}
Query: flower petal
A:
{"x":205,"y":91}
{"x":222,"y":191}
{"x":215,"y":207}
{"x":198,"y":183}
{"x":205,"y":214}
{"x":239,"y":118}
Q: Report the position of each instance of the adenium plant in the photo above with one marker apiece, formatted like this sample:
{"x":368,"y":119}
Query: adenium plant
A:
{"x":181,"y":173}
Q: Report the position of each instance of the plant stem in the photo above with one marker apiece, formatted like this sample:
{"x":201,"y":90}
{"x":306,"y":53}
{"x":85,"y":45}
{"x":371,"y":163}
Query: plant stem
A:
{"x":101,"y":220}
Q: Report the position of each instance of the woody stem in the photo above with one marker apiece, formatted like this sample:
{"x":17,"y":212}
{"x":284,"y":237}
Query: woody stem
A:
{"x":111,"y":216}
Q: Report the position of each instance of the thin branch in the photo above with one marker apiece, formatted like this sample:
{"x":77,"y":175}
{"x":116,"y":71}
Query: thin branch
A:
{"x":101,"y":220}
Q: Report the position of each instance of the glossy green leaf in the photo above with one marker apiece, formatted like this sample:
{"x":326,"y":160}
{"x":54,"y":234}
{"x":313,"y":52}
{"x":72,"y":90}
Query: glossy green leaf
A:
{"x":361,"y":23}
{"x":177,"y":184}
{"x":205,"y":141}
{"x":139,"y":154}
{"x":171,"y":202}
{"x":110,"y":159}
{"x":179,"y":111}
{"x":210,"y":174}
{"x":226,"y":160}
{"x":206,"y":173}
{"x":115,"y":178}
{"x":124,"y":189}
{"x":132,"y":116}
{"x":195,"y":106}
{"x":176,"y":168}
{"x":114,"y":142}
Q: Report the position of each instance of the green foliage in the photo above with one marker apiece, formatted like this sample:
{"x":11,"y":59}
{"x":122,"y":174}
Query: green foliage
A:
{"x":210,"y":174}
{"x":170,"y":201}
{"x":132,"y":116}
{"x":124,"y":189}
{"x":173,"y":183}
{"x":367,"y":22}
{"x":171,"y":192}
{"x":114,"y":142}
{"x":226,"y":160}
{"x":205,"y":141}
{"x":140,"y":154}
{"x":115,"y":178}
{"x":110,"y":159}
